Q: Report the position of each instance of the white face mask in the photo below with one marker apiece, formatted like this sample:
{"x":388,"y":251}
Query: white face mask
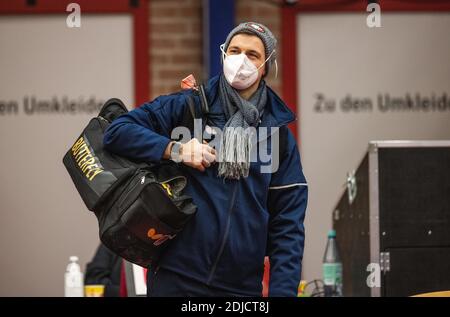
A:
{"x":239,"y":71}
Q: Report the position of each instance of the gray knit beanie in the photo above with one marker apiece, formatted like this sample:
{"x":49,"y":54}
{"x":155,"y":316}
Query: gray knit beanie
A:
{"x":261,"y":31}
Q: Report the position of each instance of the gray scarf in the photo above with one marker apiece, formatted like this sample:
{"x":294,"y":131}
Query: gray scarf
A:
{"x":236,"y":142}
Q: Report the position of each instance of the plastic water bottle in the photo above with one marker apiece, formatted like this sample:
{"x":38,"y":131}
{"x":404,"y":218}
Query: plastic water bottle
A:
{"x":332,"y":267}
{"x":73,"y":279}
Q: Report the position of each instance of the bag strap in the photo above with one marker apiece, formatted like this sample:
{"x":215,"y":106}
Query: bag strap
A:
{"x":112,"y":109}
{"x":191,"y":111}
{"x":203,"y":100}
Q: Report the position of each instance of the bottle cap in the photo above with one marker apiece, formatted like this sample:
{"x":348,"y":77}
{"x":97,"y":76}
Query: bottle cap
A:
{"x":332,"y":233}
{"x":73,"y":258}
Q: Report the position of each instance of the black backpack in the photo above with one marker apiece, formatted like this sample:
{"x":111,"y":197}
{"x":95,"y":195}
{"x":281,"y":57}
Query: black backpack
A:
{"x":139,"y":206}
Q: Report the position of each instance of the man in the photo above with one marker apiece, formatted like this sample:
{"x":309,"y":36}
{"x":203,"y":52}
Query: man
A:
{"x":243,"y":213}
{"x":104,"y":269}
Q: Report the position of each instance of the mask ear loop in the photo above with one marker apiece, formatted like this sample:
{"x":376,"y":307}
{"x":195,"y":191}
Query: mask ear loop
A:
{"x":276,"y":65}
{"x":276,"y":69}
{"x":222,"y":46}
{"x":266,"y":60}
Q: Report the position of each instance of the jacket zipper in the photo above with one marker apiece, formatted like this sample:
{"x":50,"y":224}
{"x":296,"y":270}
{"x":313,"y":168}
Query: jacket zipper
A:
{"x":225,"y":236}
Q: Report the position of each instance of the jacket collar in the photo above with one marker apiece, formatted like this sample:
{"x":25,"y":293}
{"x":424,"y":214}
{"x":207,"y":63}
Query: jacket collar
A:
{"x":276,"y":113}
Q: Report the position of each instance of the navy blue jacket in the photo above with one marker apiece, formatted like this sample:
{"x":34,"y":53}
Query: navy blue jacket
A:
{"x":238,"y":221}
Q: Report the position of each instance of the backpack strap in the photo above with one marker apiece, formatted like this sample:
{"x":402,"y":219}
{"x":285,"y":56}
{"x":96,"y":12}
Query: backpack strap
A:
{"x":203,"y":100}
{"x":191,"y":112}
{"x":112,"y":109}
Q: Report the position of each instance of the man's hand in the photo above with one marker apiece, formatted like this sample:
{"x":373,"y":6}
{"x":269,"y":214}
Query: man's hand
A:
{"x":194,"y":154}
